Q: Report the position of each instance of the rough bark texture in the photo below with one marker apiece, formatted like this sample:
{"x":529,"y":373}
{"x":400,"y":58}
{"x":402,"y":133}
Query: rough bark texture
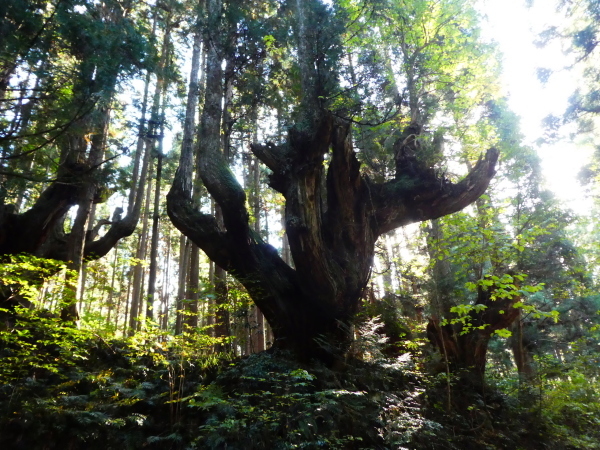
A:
{"x":333,"y":214}
{"x":333,"y":218}
{"x":40,"y":230}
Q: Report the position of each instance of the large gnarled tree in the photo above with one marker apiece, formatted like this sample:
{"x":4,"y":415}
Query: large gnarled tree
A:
{"x":334,"y":213}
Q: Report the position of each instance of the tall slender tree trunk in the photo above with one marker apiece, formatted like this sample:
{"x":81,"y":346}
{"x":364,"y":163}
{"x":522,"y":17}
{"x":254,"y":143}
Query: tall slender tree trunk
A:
{"x":157,"y":129}
{"x":164,"y":317}
{"x":257,"y":336}
{"x":141,"y":136}
{"x":221,"y":314}
{"x":184,"y":254}
{"x":83,"y":275}
{"x":154,"y":240}
{"x":214,"y":123}
{"x":110,"y":301}
{"x":139,"y":149}
{"x":193,"y":288}
{"x":190,"y":318}
{"x":120,"y":300}
{"x":210,"y":302}
{"x":138,"y":270}
{"x":77,"y":236}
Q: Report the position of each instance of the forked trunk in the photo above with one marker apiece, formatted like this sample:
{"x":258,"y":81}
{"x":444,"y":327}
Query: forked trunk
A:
{"x":465,"y":350}
{"x":333,"y":217}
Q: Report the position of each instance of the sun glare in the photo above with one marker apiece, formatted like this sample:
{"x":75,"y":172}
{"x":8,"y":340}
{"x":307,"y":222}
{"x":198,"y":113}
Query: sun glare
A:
{"x":515,"y":28}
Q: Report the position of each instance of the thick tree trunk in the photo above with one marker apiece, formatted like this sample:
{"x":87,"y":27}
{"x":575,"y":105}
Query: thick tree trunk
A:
{"x":333,"y":219}
{"x":442,"y":276}
{"x":124,"y":227}
{"x":53,"y":242}
{"x":465,"y":351}
{"x":77,"y":177}
{"x":333,"y":214}
{"x":27,"y":232}
{"x":76,"y":180}
{"x":75,"y":242}
{"x":522,"y":352}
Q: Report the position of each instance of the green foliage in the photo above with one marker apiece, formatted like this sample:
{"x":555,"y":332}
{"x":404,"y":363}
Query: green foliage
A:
{"x":571,"y":404}
{"x":23,"y":275}
{"x":283,"y":414}
{"x":270,"y":402}
{"x":383,"y":332}
{"x":382,"y":65}
{"x":60,"y":384}
{"x":39,"y":345}
{"x":561,"y":402}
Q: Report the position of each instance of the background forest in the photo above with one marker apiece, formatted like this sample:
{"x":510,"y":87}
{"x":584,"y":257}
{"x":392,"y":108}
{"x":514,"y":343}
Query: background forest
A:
{"x":289,"y":224}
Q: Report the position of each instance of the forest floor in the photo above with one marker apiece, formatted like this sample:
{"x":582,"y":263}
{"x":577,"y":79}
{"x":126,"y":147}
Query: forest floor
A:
{"x":63,"y":388}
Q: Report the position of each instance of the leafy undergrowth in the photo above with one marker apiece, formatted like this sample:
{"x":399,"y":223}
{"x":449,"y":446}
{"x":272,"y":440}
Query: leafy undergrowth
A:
{"x":71,"y":389}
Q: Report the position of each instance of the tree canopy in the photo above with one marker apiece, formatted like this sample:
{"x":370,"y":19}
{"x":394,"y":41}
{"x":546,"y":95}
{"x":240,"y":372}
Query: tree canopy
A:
{"x":331,"y":197}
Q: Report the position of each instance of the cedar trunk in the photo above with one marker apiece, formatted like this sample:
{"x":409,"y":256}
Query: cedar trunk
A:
{"x":333,"y":216}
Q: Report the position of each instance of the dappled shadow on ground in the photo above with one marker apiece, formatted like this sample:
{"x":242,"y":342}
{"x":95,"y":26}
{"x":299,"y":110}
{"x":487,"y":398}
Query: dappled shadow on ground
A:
{"x":66,"y":389}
